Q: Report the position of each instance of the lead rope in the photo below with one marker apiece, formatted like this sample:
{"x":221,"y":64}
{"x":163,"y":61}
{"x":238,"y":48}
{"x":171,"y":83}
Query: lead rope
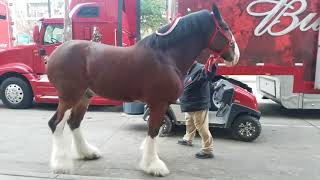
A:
{"x":210,"y":62}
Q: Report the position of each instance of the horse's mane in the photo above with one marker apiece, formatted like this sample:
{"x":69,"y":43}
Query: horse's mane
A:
{"x":188,"y":25}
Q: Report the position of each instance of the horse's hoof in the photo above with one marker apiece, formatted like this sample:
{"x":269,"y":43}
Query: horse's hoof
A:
{"x":62,"y":168}
{"x":92,"y":156}
{"x":89,"y":153}
{"x":156,"y":168}
{"x":61,"y":171}
{"x":61,"y":163}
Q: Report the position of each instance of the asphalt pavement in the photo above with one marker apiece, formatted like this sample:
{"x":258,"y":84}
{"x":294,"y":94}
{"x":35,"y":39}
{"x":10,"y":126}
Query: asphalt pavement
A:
{"x":288,"y":147}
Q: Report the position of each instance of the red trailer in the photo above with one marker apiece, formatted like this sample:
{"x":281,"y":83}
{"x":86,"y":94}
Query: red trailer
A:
{"x":23,"y":76}
{"x":279,"y":42}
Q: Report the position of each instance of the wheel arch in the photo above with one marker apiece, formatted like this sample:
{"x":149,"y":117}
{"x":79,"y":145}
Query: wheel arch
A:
{"x":238,"y":110}
{"x":17,"y":75}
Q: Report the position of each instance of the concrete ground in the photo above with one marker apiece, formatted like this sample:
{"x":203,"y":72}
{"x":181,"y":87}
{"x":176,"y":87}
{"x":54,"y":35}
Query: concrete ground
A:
{"x":288,"y":147}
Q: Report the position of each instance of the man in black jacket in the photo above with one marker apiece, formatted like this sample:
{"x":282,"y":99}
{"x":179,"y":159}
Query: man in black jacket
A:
{"x":195,"y":102}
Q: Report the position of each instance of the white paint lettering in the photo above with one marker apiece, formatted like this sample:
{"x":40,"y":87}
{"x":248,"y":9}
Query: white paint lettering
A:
{"x":283,"y":8}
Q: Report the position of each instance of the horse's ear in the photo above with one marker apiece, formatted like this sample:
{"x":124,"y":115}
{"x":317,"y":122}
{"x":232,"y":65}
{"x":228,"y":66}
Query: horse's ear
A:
{"x":216,"y":12}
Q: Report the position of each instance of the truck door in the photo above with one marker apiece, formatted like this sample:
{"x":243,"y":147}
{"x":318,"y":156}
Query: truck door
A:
{"x":52,"y":38}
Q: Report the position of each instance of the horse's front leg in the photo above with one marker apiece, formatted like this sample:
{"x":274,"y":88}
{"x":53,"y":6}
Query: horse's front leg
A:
{"x":151,"y":163}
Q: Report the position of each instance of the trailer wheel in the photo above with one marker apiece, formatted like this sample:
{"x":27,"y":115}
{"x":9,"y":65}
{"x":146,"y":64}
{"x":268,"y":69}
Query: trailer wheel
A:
{"x":16,"y":93}
{"x":246,"y":128}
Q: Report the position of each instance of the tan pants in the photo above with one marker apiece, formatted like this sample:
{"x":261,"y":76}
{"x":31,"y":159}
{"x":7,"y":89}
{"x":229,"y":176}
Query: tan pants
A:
{"x":199,"y":121}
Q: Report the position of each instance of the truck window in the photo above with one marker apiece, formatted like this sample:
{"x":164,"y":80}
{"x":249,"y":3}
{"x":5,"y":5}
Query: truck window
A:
{"x":3,"y":17}
{"x":88,"y":12}
{"x":53,"y":34}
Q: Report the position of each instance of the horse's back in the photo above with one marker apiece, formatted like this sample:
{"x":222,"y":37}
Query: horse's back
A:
{"x":120,"y":73}
{"x":71,"y":57}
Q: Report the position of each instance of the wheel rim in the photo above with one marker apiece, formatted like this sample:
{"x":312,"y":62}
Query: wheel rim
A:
{"x":14,"y":93}
{"x":216,"y":103}
{"x":247,"y":129}
{"x":164,"y":128}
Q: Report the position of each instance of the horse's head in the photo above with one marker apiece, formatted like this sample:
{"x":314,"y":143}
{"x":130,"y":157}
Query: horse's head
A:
{"x":221,"y":41}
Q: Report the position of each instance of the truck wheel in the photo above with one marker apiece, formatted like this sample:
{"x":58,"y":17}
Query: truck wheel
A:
{"x":166,"y":128}
{"x":16,"y":93}
{"x":246,"y":128}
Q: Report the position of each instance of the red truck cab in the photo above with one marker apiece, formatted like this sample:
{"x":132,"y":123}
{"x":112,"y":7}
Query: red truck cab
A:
{"x":23,"y":78}
{"x":5,"y":29}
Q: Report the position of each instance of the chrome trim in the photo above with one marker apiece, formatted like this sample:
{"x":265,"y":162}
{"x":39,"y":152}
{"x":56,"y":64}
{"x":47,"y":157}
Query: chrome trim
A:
{"x":317,"y":75}
{"x":115,"y":37}
{"x":221,"y":64}
{"x":298,"y":64}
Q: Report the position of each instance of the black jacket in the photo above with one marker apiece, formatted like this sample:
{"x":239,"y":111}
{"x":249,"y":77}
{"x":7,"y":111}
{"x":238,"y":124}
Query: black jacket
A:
{"x":196,"y":94}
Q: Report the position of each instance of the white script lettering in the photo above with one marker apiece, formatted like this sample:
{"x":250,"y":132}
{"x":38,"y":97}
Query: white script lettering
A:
{"x":283,"y":8}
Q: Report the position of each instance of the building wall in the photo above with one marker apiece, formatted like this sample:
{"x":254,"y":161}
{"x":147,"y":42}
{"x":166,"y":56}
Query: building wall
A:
{"x":26,"y":13}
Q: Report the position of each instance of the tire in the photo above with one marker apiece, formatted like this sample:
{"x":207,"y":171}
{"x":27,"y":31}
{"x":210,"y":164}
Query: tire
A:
{"x":166,"y":128}
{"x":16,"y":93}
{"x":246,"y":128}
{"x":213,"y":105}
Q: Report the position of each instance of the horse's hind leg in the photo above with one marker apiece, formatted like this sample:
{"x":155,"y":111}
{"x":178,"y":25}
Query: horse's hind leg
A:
{"x":61,"y":161}
{"x":82,"y":148}
{"x":151,"y":163}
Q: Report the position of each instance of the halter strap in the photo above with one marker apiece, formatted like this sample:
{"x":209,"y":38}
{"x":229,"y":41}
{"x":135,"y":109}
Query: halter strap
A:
{"x":215,"y":55}
{"x":213,"y":37}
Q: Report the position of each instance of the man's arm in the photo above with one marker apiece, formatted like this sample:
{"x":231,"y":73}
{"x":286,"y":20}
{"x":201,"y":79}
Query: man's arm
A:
{"x":212,"y":74}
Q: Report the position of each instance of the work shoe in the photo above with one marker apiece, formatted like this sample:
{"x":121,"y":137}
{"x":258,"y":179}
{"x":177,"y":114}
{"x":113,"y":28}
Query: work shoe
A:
{"x":204,"y":155}
{"x":185,"y":143}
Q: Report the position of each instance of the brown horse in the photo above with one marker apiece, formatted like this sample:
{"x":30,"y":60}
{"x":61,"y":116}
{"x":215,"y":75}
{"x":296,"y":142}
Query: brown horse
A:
{"x":150,"y":71}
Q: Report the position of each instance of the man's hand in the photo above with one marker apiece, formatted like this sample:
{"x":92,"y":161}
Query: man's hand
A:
{"x":210,"y":63}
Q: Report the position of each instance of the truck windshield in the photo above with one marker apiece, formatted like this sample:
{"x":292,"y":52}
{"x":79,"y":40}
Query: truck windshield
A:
{"x":53,"y":34}
{"x":3,"y":11}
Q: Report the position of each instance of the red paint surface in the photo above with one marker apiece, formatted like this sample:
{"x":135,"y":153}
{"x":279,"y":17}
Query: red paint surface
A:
{"x":25,"y":60}
{"x":245,"y":98}
{"x":278,"y":53}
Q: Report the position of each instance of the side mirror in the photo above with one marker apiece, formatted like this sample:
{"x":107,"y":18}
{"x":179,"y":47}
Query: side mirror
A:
{"x":36,"y":34}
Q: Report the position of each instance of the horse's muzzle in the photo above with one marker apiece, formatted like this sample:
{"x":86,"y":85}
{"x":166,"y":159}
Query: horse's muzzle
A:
{"x":236,"y":56}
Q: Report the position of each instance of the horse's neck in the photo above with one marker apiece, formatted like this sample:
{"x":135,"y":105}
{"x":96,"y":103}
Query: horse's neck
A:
{"x":185,"y":53}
